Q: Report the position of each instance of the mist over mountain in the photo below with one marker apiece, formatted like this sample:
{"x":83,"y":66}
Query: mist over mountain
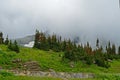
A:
{"x":85,"y":19}
{"x":25,"y":40}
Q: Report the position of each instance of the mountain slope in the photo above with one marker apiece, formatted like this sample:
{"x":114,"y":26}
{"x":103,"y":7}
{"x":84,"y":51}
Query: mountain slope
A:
{"x":25,"y":40}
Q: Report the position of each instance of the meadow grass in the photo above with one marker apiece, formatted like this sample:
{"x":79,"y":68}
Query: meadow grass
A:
{"x":52,"y":60}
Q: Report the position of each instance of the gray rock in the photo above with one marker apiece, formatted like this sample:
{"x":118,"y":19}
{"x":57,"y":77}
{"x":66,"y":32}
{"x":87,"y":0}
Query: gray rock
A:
{"x":63,"y":75}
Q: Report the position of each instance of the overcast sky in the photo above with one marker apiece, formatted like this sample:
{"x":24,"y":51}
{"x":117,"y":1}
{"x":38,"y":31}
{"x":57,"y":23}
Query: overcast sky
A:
{"x":87,"y":19}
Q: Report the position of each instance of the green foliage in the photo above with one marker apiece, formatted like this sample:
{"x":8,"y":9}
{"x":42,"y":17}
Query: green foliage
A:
{"x":13,"y":46}
{"x":101,"y":59}
{"x":119,"y":50}
{"x":5,"y":59}
{"x":107,"y":76}
{"x":75,"y":52}
{"x":78,"y":54}
{"x":52,"y":60}
{"x":6,"y":41}
{"x":1,"y":38}
{"x":47,"y":43}
{"x":40,"y":41}
{"x":102,"y":63}
{"x":89,"y":59}
{"x":97,"y":43}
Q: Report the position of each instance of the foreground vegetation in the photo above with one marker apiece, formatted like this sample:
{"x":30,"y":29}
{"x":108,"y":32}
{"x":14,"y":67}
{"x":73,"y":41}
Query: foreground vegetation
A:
{"x":50,"y":60}
{"x":69,"y":51}
{"x":77,"y":52}
{"x":60,"y":56}
{"x":53,"y":60}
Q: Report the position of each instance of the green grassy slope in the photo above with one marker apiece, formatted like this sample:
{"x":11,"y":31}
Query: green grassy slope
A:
{"x":52,"y":60}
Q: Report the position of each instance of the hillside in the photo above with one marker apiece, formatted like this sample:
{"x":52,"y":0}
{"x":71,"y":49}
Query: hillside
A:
{"x":48,"y":61}
{"x":53,"y":60}
{"x":25,"y":40}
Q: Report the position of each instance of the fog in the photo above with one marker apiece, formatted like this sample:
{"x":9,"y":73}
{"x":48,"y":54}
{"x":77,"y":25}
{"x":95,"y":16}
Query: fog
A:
{"x":87,"y":19}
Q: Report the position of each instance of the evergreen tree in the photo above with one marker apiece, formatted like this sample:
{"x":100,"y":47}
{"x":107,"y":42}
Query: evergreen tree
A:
{"x":101,"y":49}
{"x":113,"y":49}
{"x":1,"y":38}
{"x":88,"y":49}
{"x":6,"y":41}
{"x":49,"y":40}
{"x":16,"y":48}
{"x":97,"y":43}
{"x":36,"y":44}
{"x":72,"y":51}
{"x":64,"y":45}
{"x":13,"y":46}
{"x":10,"y":45}
{"x":109,"y":49}
{"x":119,"y":50}
{"x":88,"y":44}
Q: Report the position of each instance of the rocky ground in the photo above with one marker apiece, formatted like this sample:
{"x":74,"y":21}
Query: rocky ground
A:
{"x":32,"y":68}
{"x":53,"y":74}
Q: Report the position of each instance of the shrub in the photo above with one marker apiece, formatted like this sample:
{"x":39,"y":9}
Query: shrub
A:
{"x":13,"y":46}
{"x":101,"y":62}
{"x":89,"y":59}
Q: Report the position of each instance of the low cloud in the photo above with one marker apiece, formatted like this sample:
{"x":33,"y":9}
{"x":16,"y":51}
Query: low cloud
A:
{"x":86,"y":19}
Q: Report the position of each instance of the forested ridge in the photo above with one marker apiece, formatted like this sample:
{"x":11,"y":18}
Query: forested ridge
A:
{"x":52,"y":53}
{"x":72,"y":51}
{"x":77,"y":52}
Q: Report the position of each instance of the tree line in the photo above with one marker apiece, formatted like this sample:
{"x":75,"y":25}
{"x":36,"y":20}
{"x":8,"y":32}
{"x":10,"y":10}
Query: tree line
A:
{"x":77,"y":52}
{"x":13,"y":46}
{"x":72,"y":51}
